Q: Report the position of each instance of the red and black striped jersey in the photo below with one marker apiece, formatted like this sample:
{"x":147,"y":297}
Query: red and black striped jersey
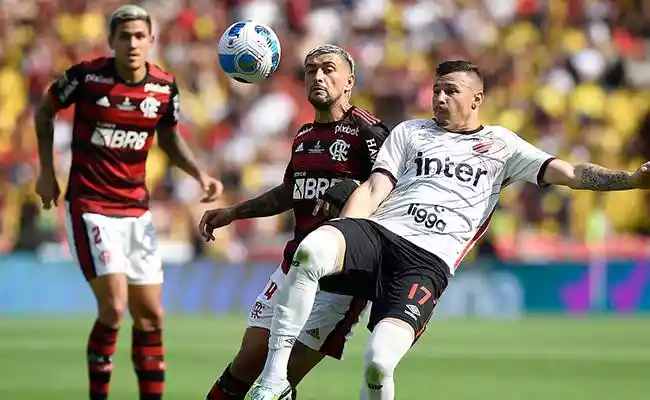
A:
{"x":114,"y":126}
{"x":324,"y":154}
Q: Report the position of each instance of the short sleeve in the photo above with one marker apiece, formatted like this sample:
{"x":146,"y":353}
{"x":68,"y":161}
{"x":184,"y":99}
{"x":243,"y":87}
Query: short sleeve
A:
{"x":66,"y":90}
{"x":374,"y":137}
{"x":391,"y":159}
{"x":527,"y":162}
{"x":172,"y":113}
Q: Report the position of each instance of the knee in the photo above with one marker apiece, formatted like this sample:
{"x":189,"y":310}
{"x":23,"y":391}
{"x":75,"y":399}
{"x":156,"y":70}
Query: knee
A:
{"x":111,"y":311}
{"x":317,"y":255}
{"x":376,"y":368}
{"x":149,"y":318}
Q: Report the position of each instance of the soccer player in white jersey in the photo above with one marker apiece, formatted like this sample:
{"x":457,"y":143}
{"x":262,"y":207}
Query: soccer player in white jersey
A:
{"x":404,"y":232}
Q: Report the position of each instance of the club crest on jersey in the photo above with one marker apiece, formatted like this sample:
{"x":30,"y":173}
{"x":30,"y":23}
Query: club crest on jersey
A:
{"x":482,"y":147}
{"x":339,"y":150}
{"x":149,"y":107}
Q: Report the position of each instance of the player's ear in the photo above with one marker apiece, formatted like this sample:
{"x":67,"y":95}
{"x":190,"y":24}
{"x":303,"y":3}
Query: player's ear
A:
{"x":478,"y":99}
{"x":350,"y":83}
{"x":110,"y":42}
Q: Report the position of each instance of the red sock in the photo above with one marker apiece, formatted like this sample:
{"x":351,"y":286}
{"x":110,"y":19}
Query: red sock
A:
{"x":148,"y":356}
{"x":99,"y":356}
{"x":227,"y":387}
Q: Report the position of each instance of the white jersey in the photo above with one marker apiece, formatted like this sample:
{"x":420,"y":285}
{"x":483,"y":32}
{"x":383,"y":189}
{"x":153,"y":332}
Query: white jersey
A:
{"x":448,"y":184}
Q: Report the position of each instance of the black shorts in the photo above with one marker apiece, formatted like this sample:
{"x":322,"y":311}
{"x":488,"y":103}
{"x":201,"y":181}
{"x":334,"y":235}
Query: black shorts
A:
{"x":402,"y":280}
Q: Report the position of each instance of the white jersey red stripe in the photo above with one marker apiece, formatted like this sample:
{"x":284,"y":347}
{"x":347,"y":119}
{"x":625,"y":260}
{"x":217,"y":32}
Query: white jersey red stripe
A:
{"x":447,"y":184}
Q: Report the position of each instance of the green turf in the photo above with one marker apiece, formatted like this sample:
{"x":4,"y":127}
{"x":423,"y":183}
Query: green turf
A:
{"x":536,"y":358}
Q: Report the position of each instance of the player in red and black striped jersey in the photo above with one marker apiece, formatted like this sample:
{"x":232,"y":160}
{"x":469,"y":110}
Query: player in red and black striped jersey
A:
{"x":339,"y":146}
{"x":121,"y":102}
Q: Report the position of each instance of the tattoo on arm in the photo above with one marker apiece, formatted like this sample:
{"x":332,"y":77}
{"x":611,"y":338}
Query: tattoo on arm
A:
{"x":597,"y":178}
{"x":44,"y":125}
{"x":273,"y":202}
{"x":179,"y":153}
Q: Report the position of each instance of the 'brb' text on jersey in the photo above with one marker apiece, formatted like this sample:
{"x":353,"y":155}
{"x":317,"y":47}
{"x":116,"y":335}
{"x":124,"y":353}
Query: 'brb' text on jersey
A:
{"x":322,"y":155}
{"x":114,"y":126}
{"x":448,"y":184}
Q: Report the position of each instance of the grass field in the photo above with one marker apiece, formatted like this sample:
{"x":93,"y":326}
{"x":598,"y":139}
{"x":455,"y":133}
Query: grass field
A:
{"x":535,"y":358}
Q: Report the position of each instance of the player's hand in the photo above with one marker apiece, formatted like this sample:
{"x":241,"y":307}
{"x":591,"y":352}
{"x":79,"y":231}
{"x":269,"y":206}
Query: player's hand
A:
{"x":214,"y":219}
{"x":641,"y":177}
{"x":212,"y":188}
{"x":48,"y":189}
{"x":328,"y":209}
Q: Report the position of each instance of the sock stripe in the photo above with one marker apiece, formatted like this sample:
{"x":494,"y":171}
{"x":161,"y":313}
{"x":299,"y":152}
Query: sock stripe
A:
{"x":99,"y":351}
{"x":148,"y":356}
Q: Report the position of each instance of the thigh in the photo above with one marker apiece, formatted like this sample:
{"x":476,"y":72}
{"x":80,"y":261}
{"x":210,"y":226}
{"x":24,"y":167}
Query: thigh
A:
{"x":363,"y":255}
{"x":409,"y":296}
{"x":261,"y":314}
{"x":331,"y":322}
{"x":145,"y":267}
{"x":96,"y":242}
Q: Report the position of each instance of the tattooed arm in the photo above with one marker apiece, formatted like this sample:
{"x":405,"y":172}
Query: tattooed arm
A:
{"x":44,"y":124}
{"x":586,"y":176}
{"x":275,"y":201}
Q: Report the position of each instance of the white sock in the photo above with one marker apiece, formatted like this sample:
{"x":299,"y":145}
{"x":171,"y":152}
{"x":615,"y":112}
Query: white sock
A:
{"x":315,"y":258}
{"x":388,"y":344}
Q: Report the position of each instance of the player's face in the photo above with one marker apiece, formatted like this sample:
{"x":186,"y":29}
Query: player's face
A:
{"x":455,"y":97}
{"x":131,"y":42}
{"x":327,"y":79}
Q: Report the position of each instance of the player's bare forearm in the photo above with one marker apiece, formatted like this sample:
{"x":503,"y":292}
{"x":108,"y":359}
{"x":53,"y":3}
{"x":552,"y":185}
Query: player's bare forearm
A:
{"x":587,"y":176}
{"x":44,"y":125}
{"x":275,"y":201}
{"x":368,"y":196}
{"x":179,"y":153}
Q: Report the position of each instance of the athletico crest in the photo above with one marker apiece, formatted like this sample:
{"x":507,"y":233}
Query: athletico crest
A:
{"x":483,"y":146}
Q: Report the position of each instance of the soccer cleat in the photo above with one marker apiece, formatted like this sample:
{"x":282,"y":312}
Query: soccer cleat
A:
{"x":261,"y":391}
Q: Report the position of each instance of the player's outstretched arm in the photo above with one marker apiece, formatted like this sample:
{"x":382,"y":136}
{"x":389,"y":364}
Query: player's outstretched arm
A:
{"x":368,"y":196}
{"x":586,"y":176}
{"x":179,"y":153}
{"x":275,"y":201}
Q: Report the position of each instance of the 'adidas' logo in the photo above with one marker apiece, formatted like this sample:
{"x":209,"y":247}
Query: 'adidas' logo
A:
{"x":313,"y":333}
{"x":299,"y":148}
{"x":103,"y":102}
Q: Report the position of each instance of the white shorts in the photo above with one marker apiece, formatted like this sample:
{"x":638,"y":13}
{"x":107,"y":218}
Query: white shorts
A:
{"x":104,"y":245}
{"x":330,"y":323}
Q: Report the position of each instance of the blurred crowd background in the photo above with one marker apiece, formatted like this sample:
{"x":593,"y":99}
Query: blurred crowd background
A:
{"x":571,"y":76}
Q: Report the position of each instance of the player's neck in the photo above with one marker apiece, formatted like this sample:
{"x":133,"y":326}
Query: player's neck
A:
{"x":131,"y":76}
{"x":471,"y":125}
{"x":335,"y":113}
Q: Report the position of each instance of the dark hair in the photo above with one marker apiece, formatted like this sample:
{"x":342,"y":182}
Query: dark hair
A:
{"x":448,"y":67}
{"x":128,"y":13}
{"x":331,"y":49}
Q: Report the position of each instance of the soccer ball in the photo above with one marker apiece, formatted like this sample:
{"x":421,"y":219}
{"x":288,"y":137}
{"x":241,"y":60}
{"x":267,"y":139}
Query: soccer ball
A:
{"x":249,"y":51}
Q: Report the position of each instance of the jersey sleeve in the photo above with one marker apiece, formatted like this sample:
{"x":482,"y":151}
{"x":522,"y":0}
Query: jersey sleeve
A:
{"x":374,"y":137}
{"x":527,"y":162}
{"x":392,"y":157}
{"x":66,"y":89}
{"x":288,"y":174}
{"x":172,"y":113}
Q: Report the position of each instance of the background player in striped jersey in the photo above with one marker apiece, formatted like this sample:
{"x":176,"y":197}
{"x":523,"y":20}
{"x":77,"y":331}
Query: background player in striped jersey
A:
{"x":341,"y":143}
{"x":120,"y":103}
{"x":430,"y":196}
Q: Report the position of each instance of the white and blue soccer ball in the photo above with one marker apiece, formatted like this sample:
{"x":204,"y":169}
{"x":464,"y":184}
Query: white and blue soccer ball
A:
{"x":249,"y":51}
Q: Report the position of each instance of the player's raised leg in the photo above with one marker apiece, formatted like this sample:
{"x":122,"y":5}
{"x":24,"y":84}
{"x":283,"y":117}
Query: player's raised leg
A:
{"x":319,"y":254}
{"x":145,"y":278}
